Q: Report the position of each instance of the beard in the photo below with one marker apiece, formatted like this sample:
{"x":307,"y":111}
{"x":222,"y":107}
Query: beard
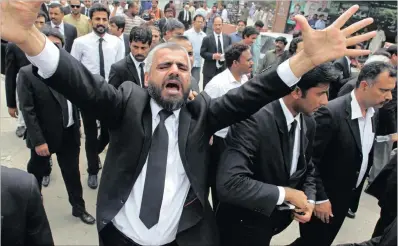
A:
{"x":169,"y":104}
{"x":139,"y":58}
{"x":100,"y":29}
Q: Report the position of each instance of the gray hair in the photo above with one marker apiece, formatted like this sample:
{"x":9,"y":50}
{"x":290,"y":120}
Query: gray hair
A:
{"x":379,"y":58}
{"x":172,"y":24}
{"x":372,"y":70}
{"x":169,"y":45}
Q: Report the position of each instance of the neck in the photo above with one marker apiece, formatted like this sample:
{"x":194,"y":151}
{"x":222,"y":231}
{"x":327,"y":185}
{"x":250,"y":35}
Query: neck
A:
{"x":362,"y":105}
{"x":100,"y":35}
{"x":289,"y":102}
{"x":76,"y":16}
{"x":278,"y":52}
{"x":236,"y":74}
{"x":197,"y":29}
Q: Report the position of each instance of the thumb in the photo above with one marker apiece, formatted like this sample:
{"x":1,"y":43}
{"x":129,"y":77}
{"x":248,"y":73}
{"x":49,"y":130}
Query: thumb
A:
{"x":303,"y":22}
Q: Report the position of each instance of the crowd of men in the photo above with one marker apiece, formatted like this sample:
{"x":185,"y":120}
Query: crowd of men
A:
{"x":300,"y":145}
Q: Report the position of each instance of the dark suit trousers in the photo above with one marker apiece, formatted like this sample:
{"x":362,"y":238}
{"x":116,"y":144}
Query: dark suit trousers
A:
{"x":103,"y":139}
{"x":68,"y":160}
{"x":386,"y":218}
{"x":110,"y":236}
{"x":216,"y":151}
{"x":92,"y":144}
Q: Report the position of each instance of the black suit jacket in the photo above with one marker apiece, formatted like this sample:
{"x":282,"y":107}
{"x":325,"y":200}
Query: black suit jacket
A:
{"x":126,"y":39}
{"x":124,"y":70}
{"x":256,"y":161}
{"x":181,"y":19}
{"x":343,"y":67}
{"x":70,"y":34}
{"x":42,"y":112}
{"x":23,"y":218}
{"x":207,"y":50}
{"x":127,"y":112}
{"x":43,"y":8}
{"x":338,"y":153}
{"x":83,"y":11}
{"x":3,"y":56}
{"x":15,"y":58}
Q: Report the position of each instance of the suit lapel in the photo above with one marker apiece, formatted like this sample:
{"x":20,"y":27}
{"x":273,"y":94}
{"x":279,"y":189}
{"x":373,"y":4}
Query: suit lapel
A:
{"x":57,"y":96}
{"x":353,"y":125}
{"x":133,"y":70}
{"x":303,"y":146}
{"x":283,"y":133}
{"x":225,"y":42}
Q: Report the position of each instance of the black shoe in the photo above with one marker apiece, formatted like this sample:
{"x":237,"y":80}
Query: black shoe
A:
{"x":20,"y":131}
{"x":350,"y":214}
{"x":46,"y":181}
{"x":84,"y":216}
{"x":99,"y":164}
{"x":92,"y":181}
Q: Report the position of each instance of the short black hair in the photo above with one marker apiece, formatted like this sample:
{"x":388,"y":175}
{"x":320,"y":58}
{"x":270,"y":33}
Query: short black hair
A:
{"x":392,"y":50}
{"x":296,"y":33}
{"x":49,"y":31}
{"x":293,"y":45}
{"x":198,"y":16}
{"x":248,"y":31}
{"x":372,"y":70}
{"x":322,"y":74}
{"x":234,"y":52}
{"x":172,"y":24}
{"x":42,"y":14}
{"x":244,"y":22}
{"x":259,"y":23}
{"x":180,"y":38}
{"x":281,"y":39}
{"x":98,"y":7}
{"x":57,"y":5}
{"x":119,"y":21}
{"x":141,"y":34}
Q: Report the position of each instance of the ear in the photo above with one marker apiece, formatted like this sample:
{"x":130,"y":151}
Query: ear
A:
{"x":146,"y":79}
{"x":296,"y":93}
{"x":363,"y":84}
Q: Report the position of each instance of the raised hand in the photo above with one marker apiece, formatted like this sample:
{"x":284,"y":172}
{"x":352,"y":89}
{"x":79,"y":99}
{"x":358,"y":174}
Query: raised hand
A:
{"x":325,"y":45}
{"x":17,"y":19}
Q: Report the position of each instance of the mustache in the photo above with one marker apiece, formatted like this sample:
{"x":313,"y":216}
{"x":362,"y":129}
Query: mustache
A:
{"x":98,"y":26}
{"x":173,"y":77}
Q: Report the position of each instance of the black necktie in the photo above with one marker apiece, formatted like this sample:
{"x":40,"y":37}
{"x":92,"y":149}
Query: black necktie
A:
{"x":65,"y":111}
{"x":292,"y":134}
{"x":219,"y":49}
{"x":86,"y":11}
{"x":101,"y":57}
{"x":142,"y":74}
{"x":155,"y":174}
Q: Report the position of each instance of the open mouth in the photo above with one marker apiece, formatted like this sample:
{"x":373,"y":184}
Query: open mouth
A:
{"x":173,"y":87}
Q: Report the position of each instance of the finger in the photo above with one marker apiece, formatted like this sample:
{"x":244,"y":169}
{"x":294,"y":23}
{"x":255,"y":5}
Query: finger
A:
{"x":339,"y":23}
{"x":357,"y":26}
{"x":195,"y":93}
{"x":47,"y":152}
{"x":303,"y":22}
{"x":355,"y":53}
{"x":327,"y":218}
{"x":360,"y":38}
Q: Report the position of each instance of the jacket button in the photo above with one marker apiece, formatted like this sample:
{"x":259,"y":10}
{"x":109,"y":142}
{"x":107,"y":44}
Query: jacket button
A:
{"x":104,"y":222}
{"x":357,"y":173}
{"x":122,"y":201}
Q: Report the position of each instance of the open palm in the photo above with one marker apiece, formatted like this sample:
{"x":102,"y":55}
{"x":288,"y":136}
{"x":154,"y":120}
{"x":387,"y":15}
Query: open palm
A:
{"x":331,"y":43}
{"x":17,"y":18}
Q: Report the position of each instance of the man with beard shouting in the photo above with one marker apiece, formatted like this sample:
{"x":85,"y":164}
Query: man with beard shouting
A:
{"x":97,"y":51}
{"x":154,"y":188}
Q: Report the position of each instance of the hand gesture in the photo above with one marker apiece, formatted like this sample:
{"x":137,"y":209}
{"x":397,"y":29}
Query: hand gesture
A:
{"x":17,"y":19}
{"x":324,"y":211}
{"x":306,"y":217}
{"x":13,"y":112}
{"x":325,"y":45}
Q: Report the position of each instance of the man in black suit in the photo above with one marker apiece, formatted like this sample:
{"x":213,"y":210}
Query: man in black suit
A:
{"x":86,"y":9}
{"x":56,"y":13}
{"x":168,"y":14}
{"x":157,"y":136}
{"x":267,"y":161}
{"x":185,"y":17}
{"x":23,"y":218}
{"x":116,"y":28}
{"x":52,"y":127}
{"x":343,"y":150}
{"x":343,"y":66}
{"x":212,"y":51}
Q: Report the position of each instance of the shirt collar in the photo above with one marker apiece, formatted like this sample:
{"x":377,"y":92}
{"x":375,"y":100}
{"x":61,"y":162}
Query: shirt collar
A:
{"x":105,"y":37}
{"x":215,"y":35}
{"x":61,"y":26}
{"x":136,"y":63}
{"x":288,"y":115}
{"x":231,"y":77}
{"x":156,"y":108}
{"x":356,"y":112}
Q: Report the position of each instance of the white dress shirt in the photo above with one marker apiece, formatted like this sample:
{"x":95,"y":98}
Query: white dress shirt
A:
{"x":222,"y":46}
{"x":121,"y":37}
{"x":61,"y":27}
{"x":137,"y":66}
{"x":220,"y":85}
{"x":176,"y":184}
{"x":70,"y":114}
{"x":186,"y":16}
{"x":196,"y":39}
{"x":366,"y":132}
{"x":296,"y":146}
{"x":175,"y":193}
{"x":85,"y":50}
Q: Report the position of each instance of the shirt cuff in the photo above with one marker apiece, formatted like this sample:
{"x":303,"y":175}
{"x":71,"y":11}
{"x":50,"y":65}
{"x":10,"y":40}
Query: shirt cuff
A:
{"x":311,"y":201}
{"x":282,"y":194}
{"x":320,"y":202}
{"x":47,"y":61}
{"x":286,"y":74}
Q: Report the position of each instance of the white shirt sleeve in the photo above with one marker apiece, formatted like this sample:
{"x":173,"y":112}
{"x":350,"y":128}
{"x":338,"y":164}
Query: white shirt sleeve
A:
{"x":47,"y":61}
{"x":286,"y":74}
{"x":75,"y":52}
{"x":212,"y":89}
{"x":282,"y":194}
{"x":320,"y":202}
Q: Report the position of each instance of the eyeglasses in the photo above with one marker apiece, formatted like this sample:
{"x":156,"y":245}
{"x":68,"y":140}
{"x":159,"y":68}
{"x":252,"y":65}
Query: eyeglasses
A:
{"x":75,"y":6}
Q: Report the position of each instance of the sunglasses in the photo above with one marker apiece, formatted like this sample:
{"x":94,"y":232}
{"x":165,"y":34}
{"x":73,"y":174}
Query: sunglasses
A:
{"x":75,"y":6}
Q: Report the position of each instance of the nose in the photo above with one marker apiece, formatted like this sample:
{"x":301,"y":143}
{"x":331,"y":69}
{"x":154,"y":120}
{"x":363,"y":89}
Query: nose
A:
{"x":389,"y":95}
{"x":324,"y":100}
{"x":174,"y":69}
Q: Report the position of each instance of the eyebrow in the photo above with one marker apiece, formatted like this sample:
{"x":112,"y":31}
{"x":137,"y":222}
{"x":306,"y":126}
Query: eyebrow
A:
{"x":171,"y":63}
